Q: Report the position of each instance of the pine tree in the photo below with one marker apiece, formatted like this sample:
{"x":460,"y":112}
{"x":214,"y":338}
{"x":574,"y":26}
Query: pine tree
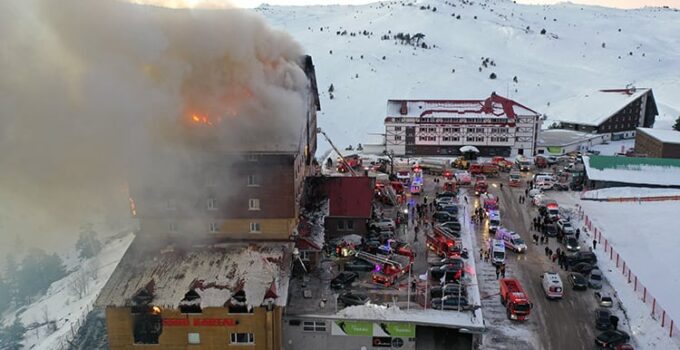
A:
{"x":88,"y":245}
{"x":12,"y":336}
{"x":676,"y":127}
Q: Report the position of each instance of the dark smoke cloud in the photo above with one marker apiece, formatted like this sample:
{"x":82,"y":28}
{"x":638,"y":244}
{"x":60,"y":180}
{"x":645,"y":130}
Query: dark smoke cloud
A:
{"x":89,"y":87}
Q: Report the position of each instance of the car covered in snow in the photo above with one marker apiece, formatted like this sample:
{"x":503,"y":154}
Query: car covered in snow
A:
{"x":565,"y":227}
{"x":595,"y":279}
{"x":382,"y":225}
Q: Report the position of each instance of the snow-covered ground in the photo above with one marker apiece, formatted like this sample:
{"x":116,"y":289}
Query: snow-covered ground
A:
{"x":63,"y":301}
{"x":641,"y":47}
{"x":614,"y":147}
{"x":644,"y":235}
{"x":630,"y":192}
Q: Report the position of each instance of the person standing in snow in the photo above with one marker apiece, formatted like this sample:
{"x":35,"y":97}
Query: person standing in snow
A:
{"x":498,"y":271}
{"x":578,"y":233}
{"x":594,"y":244}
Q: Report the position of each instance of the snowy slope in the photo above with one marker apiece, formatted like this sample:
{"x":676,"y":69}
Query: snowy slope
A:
{"x":566,"y":61}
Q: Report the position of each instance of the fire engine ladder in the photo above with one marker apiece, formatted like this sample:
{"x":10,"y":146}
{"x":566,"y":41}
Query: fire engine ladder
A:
{"x":391,"y":195}
{"x":377,"y":259}
{"x":342,"y":158}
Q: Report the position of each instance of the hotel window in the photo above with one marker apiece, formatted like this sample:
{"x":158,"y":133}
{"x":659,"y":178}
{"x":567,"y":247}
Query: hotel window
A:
{"x":255,"y":227}
{"x":212,"y":204}
{"x":172,"y":227}
{"x":194,"y":338}
{"x":350,"y":225}
{"x":341,"y":225}
{"x":253,"y":204}
{"x":422,"y":138}
{"x":432,"y":138}
{"x":214,"y":227}
{"x":242,"y":338}
{"x":253,"y":181}
{"x":314,"y":326}
{"x":397,"y":138}
{"x":470,"y":139}
{"x":455,"y":129}
{"x":304,"y":255}
{"x":479,"y":139}
{"x":397,"y":128}
{"x":470,"y":130}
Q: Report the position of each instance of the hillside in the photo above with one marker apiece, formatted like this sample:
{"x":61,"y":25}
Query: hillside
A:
{"x":640,"y":47}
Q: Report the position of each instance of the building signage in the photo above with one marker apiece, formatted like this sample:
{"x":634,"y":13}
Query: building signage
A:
{"x":199,"y":322}
{"x":389,"y":329}
{"x":382,"y":342}
{"x":352,"y":328}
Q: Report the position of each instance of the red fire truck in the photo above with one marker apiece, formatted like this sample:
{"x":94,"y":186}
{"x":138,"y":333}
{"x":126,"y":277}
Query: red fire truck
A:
{"x":443,"y":243}
{"x":516,"y":301}
{"x":354,"y":161}
{"x":489,"y":169}
{"x":388,"y":268}
{"x":481,"y":187}
{"x":475,"y":169}
{"x":489,"y":201}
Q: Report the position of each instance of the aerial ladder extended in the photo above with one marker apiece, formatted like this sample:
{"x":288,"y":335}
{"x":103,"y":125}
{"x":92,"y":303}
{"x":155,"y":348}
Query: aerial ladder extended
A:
{"x":342,"y":158}
{"x":381,"y":259}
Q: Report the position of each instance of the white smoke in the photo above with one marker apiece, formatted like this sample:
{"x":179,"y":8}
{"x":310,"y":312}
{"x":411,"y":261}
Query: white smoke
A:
{"x":88,"y":87}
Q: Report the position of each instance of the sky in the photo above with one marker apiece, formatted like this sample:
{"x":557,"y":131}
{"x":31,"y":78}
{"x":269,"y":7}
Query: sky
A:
{"x":608,"y":3}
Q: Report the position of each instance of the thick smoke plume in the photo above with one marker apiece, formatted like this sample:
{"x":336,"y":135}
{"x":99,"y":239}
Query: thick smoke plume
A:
{"x":89,"y":87}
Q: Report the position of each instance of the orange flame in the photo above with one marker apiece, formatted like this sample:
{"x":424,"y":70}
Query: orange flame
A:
{"x":199,"y":119}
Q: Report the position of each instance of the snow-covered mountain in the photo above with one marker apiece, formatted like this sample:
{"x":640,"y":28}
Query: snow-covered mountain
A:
{"x":583,"y":48}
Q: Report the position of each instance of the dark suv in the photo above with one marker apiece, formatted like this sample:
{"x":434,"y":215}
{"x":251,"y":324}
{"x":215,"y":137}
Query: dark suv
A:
{"x":581,"y":257}
{"x":343,"y":280}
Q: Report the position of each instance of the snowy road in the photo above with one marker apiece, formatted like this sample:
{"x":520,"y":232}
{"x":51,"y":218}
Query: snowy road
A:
{"x":563,"y":324}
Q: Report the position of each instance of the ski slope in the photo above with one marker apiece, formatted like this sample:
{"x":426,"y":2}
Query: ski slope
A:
{"x":568,"y":60}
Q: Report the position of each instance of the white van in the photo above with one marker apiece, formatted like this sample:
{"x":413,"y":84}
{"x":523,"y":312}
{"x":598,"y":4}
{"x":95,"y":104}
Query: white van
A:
{"x":512,"y":240}
{"x":497,"y":252}
{"x":494,"y":220}
{"x":552,"y":285}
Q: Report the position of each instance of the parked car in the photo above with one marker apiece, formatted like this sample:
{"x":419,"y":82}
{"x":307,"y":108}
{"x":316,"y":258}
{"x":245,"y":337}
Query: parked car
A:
{"x":440,"y":201}
{"x":443,"y":216}
{"x":603,"y":299}
{"x":444,"y":195}
{"x":453,"y":289}
{"x":449,"y":208}
{"x":534,"y":191}
{"x":571,"y":243}
{"x":611,"y":338}
{"x":449,"y":303}
{"x":457,"y":262}
{"x":451,"y":227}
{"x":359,"y":265}
{"x":343,"y":280}
{"x":381,"y":236}
{"x":578,"y":282}
{"x":583,"y":268}
{"x":372,"y":246}
{"x":550,"y":230}
{"x":578,"y":257}
{"x":595,"y":279}
{"x":352,"y":298}
{"x":602,"y":319}
{"x":565,"y":228}
{"x":382,"y":225}
{"x":561,"y":187}
{"x":437,"y":272}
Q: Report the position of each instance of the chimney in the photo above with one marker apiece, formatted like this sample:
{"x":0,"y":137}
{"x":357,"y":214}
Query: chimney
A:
{"x":404,"y":109}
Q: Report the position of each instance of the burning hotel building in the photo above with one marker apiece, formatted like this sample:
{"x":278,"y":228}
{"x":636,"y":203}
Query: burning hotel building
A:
{"x":210,"y":265}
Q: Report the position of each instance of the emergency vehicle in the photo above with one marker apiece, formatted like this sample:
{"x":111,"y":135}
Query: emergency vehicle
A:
{"x":503,"y":164}
{"x":489,"y":201}
{"x":515,"y":179}
{"x":489,"y":169}
{"x":523,"y":163}
{"x":463,"y":178}
{"x":494,"y":220}
{"x":443,"y":243}
{"x":417,"y":180}
{"x":511,"y":239}
{"x":516,"y":301}
{"x":354,"y":161}
{"x":497,"y":250}
{"x":475,"y":169}
{"x":481,"y":187}
{"x":388,"y":268}
{"x":404,"y":177}
{"x":552,"y":285}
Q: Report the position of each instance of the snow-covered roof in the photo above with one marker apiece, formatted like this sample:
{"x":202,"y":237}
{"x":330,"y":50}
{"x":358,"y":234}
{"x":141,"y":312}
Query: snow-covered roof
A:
{"x":494,"y":106}
{"x":666,"y":136}
{"x":633,"y":170}
{"x":216,"y":273}
{"x":594,"y":107}
{"x":563,"y":137}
